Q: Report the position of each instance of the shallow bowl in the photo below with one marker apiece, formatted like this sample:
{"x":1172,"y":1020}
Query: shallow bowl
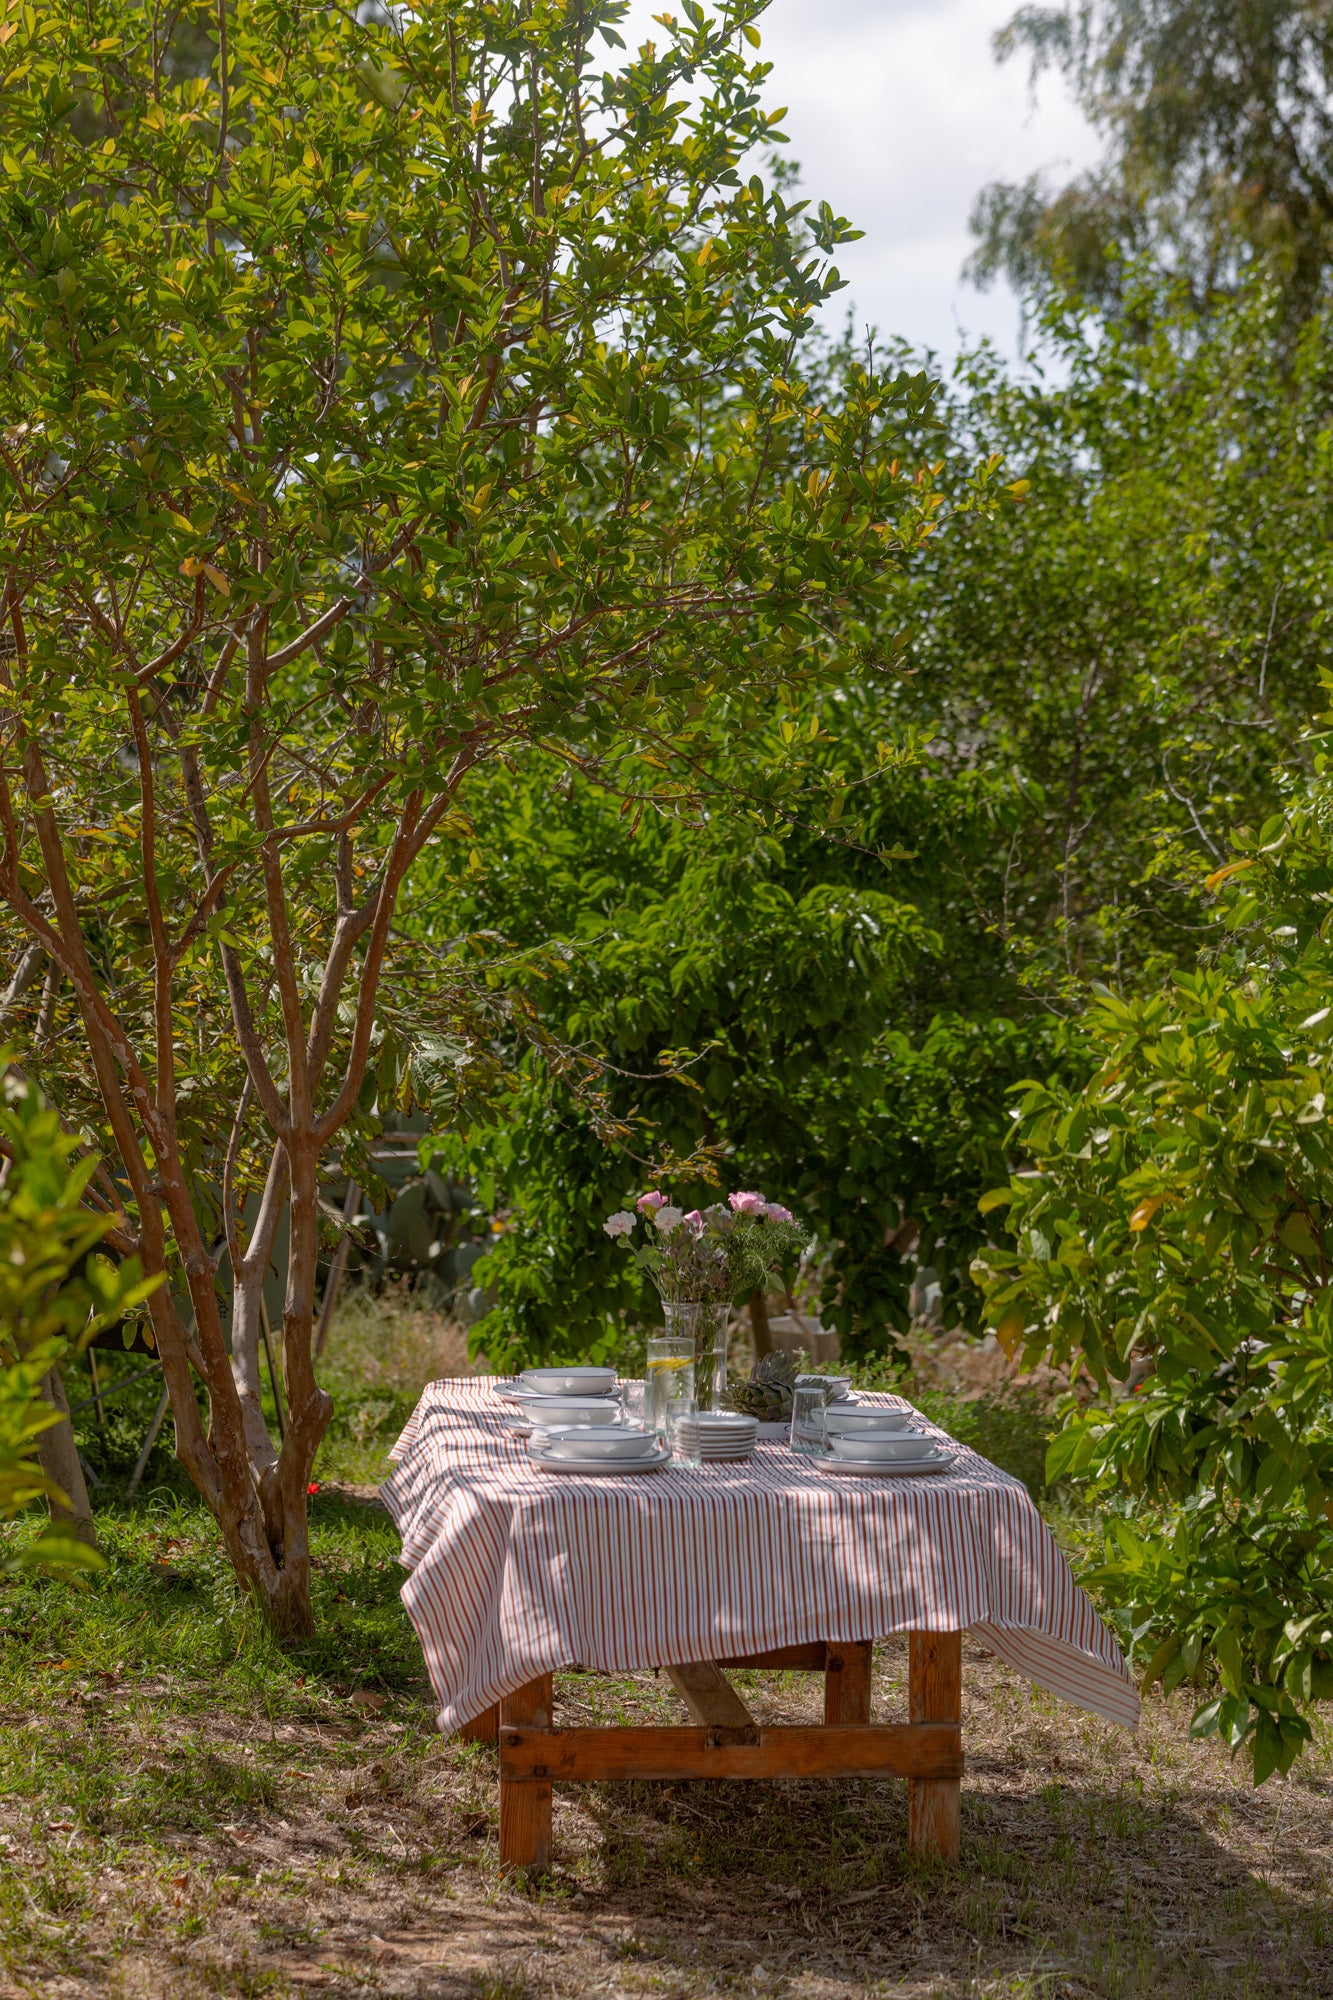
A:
{"x":601,"y":1443}
{"x":548,"y":1410}
{"x":576,"y":1381}
{"x":889,"y":1450}
{"x":864,"y":1420}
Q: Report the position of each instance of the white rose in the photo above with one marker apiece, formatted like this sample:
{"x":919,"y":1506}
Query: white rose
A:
{"x":619,"y":1224}
{"x":667,"y":1218}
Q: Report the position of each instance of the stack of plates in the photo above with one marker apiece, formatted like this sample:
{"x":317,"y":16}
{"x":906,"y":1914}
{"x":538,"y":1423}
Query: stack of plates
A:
{"x":720,"y":1433}
{"x":606,"y":1450}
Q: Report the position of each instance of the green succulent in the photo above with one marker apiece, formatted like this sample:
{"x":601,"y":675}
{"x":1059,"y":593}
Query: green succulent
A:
{"x":768,"y":1393}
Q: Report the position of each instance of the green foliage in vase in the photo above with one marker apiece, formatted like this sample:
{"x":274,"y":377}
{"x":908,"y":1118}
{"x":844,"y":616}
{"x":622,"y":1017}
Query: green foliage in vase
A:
{"x":1173,"y":1232}
{"x":723,"y":1252}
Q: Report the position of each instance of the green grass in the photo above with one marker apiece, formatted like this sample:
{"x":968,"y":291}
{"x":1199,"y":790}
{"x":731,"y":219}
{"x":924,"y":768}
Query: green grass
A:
{"x":167,"y":1609}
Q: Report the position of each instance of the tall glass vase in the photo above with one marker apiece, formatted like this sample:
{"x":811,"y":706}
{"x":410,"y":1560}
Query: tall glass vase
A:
{"x":703,"y":1321}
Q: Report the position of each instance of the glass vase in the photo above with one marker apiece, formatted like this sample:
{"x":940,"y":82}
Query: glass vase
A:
{"x":704,"y":1321}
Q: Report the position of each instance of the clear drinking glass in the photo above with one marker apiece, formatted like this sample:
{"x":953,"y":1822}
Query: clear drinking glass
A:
{"x":684,"y":1435}
{"x":632,"y":1396}
{"x":668,"y":1383}
{"x":808,"y":1436}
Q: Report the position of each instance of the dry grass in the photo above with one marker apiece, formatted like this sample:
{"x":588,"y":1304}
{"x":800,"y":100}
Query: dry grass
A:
{"x":187,"y":1812}
{"x":350,"y":1851}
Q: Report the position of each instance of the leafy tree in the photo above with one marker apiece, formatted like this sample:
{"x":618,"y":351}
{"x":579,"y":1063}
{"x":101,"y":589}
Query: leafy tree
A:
{"x":377,"y":397}
{"x":1174,"y":1234}
{"x":1219,"y":148}
{"x":1106,"y":675}
{"x":746,"y":996}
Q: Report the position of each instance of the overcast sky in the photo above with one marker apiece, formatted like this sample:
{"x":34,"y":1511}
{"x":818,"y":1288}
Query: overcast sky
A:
{"x":898,"y":114}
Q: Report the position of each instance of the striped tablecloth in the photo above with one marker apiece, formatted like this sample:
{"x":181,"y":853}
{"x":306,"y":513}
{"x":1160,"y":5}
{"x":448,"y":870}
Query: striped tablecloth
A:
{"x":515,"y":1572}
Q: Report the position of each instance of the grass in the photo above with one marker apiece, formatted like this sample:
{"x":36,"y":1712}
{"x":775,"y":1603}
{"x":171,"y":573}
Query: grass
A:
{"x":187,"y":1809}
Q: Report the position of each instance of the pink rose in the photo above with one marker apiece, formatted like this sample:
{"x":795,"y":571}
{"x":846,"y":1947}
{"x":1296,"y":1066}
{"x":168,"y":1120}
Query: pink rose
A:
{"x":694,"y":1222}
{"x":648,"y":1202}
{"x":747,"y":1203}
{"x":775,"y":1212}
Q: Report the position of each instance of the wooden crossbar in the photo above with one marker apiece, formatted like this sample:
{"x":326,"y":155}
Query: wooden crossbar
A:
{"x":892,"y":1750}
{"x":790,"y":1659}
{"x":713,"y":1702}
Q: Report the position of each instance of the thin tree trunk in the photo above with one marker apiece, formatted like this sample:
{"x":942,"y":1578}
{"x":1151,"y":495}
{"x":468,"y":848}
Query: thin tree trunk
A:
{"x":335,"y":1277}
{"x":60,"y":1462}
{"x":759,"y":1333}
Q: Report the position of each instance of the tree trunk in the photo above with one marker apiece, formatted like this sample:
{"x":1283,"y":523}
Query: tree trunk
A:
{"x":759,"y":1333}
{"x":60,"y":1461}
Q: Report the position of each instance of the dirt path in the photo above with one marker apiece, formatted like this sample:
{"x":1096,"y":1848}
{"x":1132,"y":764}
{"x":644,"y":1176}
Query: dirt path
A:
{"x":360,"y":1858}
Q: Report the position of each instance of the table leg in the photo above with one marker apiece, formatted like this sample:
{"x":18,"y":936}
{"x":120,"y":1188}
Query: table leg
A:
{"x":847,"y":1681}
{"x":525,"y":1803}
{"x":935,"y":1693}
{"x":483,"y":1728}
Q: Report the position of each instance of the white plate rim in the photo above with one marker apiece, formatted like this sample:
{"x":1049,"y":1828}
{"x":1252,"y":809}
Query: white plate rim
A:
{"x":881,"y":1468}
{"x":599,"y":1468}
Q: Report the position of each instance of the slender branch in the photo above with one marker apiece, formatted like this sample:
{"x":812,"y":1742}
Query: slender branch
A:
{"x":162,"y":955}
{"x":312,"y":634}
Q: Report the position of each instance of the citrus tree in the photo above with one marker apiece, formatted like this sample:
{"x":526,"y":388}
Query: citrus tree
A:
{"x":1173,"y":1235}
{"x":378,"y":396}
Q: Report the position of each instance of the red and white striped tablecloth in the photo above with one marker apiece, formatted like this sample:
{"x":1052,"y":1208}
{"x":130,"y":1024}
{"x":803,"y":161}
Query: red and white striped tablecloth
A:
{"x":516,"y":1572}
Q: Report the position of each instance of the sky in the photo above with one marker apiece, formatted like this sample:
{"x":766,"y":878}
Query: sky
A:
{"x":898,"y":115}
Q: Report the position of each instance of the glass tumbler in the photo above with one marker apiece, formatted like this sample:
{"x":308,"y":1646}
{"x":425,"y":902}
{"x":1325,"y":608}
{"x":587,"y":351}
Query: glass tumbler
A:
{"x":684,"y":1434}
{"x":632,"y":1396}
{"x":808,"y":1436}
{"x":668,"y":1383}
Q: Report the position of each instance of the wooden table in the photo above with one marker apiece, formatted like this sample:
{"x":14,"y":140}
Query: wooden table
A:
{"x":725,"y":1741}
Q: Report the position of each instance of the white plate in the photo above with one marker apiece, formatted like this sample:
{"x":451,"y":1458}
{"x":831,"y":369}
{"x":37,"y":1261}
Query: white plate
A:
{"x":904,"y":1468}
{"x":600,"y":1468}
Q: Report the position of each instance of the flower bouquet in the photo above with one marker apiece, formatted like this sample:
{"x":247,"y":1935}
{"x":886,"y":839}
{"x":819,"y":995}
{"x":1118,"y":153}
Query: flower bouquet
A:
{"x":704,"y":1260}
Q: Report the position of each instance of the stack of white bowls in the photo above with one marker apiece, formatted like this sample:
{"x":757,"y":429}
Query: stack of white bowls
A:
{"x":870,"y":1436}
{"x":609,"y":1448}
{"x":574,"y":1395}
{"x":720,"y":1434}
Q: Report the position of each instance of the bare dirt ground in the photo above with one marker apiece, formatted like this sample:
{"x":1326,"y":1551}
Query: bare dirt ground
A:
{"x":357,"y":1854}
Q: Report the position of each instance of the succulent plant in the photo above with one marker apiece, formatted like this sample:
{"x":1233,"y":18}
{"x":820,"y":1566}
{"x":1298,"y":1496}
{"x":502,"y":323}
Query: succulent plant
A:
{"x":768,"y":1393}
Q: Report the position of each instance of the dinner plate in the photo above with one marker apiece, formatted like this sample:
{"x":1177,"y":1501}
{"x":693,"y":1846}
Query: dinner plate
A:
{"x":877,"y":1468}
{"x":600,"y":1468}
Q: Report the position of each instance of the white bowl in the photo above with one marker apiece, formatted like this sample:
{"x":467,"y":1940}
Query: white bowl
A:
{"x":886,"y":1449}
{"x":569,"y":1381}
{"x":600,"y":1444}
{"x":548,"y":1410}
{"x":865,"y":1420}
